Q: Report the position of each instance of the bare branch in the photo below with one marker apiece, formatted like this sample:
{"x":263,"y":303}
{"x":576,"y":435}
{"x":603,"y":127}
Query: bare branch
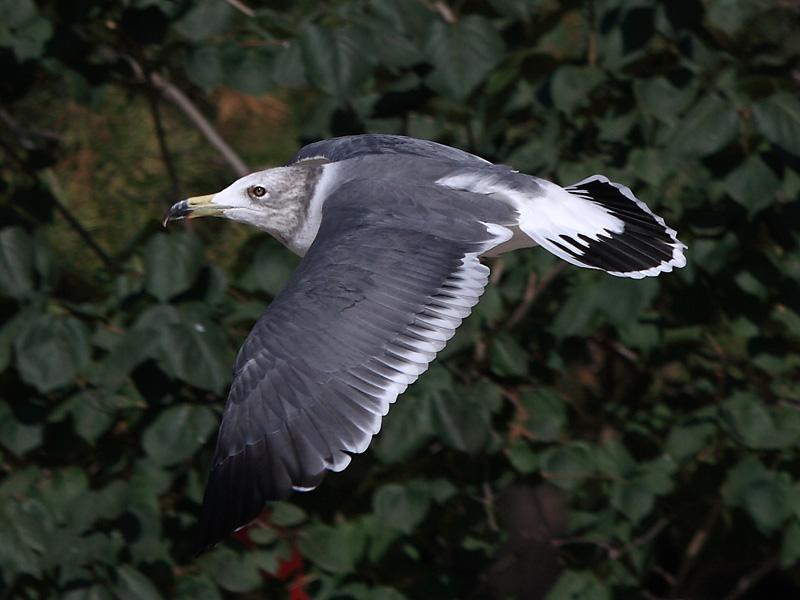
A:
{"x":696,"y":544}
{"x":532,"y":291}
{"x":73,"y":222}
{"x":240,"y":6}
{"x":753,"y":577}
{"x":177,"y":97}
{"x":162,"y":140}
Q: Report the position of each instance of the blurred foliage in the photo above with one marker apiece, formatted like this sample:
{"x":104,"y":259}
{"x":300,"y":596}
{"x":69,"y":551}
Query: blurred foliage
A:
{"x":581,"y":437}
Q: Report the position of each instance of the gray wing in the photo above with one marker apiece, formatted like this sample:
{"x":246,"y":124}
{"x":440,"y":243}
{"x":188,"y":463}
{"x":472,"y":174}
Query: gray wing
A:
{"x":378,"y":294}
{"x":352,"y":146}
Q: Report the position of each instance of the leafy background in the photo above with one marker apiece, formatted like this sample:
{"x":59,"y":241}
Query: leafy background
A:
{"x":581,"y":437}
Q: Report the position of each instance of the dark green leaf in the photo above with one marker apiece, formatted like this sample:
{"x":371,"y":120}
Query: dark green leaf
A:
{"x":777,"y":118}
{"x":28,"y":31}
{"x":755,"y":425}
{"x":462,"y":54}
{"x":334,"y":58}
{"x":272,"y":267}
{"x":189,"y":587}
{"x":613,"y":458}
{"x":658,"y":97}
{"x":762,"y":494}
{"x":522,"y":456}
{"x":133,"y":585}
{"x":93,"y":413}
{"x":18,"y":437}
{"x":288,"y":69}
{"x":51,"y":351}
{"x":686,"y":440}
{"x":401,"y":507}
{"x":507,"y":356}
{"x":191,"y":346}
{"x":205,"y":19}
{"x":574,"y":585}
{"x":16,"y":263}
{"x":790,"y":547}
{"x":178,"y":432}
{"x":572,"y":85}
{"x":405,"y":429}
{"x":248,"y":70}
{"x":632,"y":499}
{"x":753,"y":185}
{"x":171,"y":263}
{"x":90,"y":592}
{"x":710,"y":125}
{"x":731,"y":16}
{"x":567,"y":466}
{"x":204,"y":67}
{"x":335,"y":549}
{"x":546,"y":414}
{"x":21,"y":545}
{"x":235,"y":572}
{"x":287,"y":515}
{"x":134,"y":348}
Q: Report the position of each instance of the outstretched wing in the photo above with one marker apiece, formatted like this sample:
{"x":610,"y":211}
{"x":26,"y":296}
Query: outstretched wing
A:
{"x":370,"y":305}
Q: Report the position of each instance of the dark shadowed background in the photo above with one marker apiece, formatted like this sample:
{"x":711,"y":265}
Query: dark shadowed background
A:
{"x":582,"y":436}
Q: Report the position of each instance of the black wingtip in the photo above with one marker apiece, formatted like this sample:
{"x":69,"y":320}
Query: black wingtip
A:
{"x":238,"y":488}
{"x":231,"y":501}
{"x":645,"y":248}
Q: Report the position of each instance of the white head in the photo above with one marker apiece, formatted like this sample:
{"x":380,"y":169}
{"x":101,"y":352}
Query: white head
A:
{"x":275,"y":201}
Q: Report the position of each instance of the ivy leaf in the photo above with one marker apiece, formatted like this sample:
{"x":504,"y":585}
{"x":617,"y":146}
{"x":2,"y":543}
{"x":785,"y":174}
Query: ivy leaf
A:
{"x":51,"y":351}
{"x":18,"y":437}
{"x":16,"y":263}
{"x":401,"y":507}
{"x":178,"y":432}
{"x":248,"y":70}
{"x":632,"y":500}
{"x":777,"y":118}
{"x":335,"y":549}
{"x":571,"y":86}
{"x":753,"y":185}
{"x":29,"y":32}
{"x":204,"y":66}
{"x":567,"y":466}
{"x":710,"y":125}
{"x":190,"y":345}
{"x":334,"y":58}
{"x":133,"y":585}
{"x":235,"y":572}
{"x":508,"y":357}
{"x":171,"y":263}
{"x":578,"y":584}
{"x":462,"y":54}
{"x":205,"y":19}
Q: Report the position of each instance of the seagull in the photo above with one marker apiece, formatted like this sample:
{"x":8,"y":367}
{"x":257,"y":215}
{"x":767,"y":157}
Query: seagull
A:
{"x":391,"y":230}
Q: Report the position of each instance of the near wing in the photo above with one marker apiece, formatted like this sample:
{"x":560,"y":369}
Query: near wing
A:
{"x":361,"y":318}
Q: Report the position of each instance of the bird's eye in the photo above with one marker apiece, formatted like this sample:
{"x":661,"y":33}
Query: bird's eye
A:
{"x":257,"y":191}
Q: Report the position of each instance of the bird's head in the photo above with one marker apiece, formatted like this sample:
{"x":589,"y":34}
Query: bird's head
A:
{"x":275,"y":201}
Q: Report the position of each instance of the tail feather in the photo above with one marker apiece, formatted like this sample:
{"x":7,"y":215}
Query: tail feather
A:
{"x":600,"y":224}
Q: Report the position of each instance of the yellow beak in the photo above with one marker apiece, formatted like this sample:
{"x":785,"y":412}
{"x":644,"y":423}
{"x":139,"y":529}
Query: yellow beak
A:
{"x":199,"y":206}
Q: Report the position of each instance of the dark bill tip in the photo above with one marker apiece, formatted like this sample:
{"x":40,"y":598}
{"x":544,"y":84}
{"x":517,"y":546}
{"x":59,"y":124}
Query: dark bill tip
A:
{"x":179,"y":210}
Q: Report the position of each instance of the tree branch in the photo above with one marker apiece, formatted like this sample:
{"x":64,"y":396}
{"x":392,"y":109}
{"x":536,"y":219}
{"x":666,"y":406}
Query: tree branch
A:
{"x":532,"y":291}
{"x":73,"y":222}
{"x":162,"y":139}
{"x":753,"y":577}
{"x":179,"y":99}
